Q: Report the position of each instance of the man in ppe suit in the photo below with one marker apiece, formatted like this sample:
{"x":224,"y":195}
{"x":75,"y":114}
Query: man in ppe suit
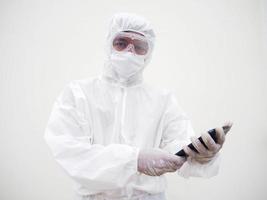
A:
{"x":115,"y":135}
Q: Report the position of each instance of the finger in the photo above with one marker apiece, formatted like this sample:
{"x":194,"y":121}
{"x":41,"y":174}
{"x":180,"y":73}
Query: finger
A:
{"x":179,"y":162}
{"x":154,"y":172}
{"x":220,"y":135}
{"x":199,"y":146}
{"x":149,"y":171}
{"x":204,"y":160}
{"x":169,"y":167}
{"x":173,"y":166}
{"x":189,"y":152}
{"x":169,"y":164}
{"x":228,"y":125}
{"x":193,"y":138}
{"x":210,"y":143}
{"x":176,"y":161}
{"x":168,"y":161}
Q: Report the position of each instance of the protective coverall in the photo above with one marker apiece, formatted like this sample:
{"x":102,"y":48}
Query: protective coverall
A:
{"x":98,"y":126}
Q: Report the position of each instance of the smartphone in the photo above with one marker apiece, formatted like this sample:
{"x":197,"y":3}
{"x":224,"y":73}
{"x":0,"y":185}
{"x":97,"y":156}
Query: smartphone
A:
{"x":211,"y":132}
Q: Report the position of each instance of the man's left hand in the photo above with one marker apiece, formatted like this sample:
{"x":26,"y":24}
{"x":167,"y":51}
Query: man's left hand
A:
{"x":205,"y":155}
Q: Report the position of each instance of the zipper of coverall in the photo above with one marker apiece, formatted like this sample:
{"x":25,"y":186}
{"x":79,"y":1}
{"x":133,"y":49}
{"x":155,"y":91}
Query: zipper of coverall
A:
{"x":124,"y":95}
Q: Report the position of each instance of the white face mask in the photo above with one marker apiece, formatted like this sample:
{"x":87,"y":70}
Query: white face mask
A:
{"x":126,"y":64}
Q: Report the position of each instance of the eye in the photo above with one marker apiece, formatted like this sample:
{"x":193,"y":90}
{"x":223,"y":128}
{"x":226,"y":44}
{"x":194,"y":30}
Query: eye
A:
{"x":138,"y":47}
{"x":120,"y":43}
{"x":141,"y":48}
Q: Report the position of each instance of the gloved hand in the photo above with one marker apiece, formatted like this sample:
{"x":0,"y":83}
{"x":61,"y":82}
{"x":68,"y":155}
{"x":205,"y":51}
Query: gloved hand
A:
{"x":206,"y":155}
{"x":155,"y":162}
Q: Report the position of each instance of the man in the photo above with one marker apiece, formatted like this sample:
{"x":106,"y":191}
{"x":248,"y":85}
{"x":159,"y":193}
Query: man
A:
{"x":115,"y":135}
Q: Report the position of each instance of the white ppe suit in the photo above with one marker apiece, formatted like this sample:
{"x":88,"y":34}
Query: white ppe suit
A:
{"x":98,"y":125}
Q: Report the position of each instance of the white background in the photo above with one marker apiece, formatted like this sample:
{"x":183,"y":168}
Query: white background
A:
{"x":210,"y":52}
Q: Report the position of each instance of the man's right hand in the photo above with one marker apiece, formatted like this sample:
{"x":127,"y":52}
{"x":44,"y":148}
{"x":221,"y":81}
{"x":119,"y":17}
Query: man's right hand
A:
{"x":155,"y":162}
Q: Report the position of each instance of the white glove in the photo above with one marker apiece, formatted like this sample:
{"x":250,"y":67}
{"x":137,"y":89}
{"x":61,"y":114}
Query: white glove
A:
{"x":206,"y":155}
{"x":155,"y":162}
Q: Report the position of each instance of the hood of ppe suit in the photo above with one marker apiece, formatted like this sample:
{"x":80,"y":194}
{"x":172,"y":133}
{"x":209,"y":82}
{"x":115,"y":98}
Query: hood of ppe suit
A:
{"x":127,"y":22}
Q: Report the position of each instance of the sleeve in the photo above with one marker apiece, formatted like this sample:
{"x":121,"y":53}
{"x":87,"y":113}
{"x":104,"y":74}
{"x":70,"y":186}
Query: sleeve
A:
{"x":94,"y":166}
{"x":177,"y":131}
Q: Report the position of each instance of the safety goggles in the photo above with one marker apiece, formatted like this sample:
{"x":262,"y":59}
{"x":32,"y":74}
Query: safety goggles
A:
{"x":127,"y":41}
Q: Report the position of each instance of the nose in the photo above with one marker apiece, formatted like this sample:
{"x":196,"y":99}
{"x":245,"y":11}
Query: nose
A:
{"x":131,"y":48}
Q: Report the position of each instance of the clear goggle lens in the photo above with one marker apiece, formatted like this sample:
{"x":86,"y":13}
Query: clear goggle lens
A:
{"x":125,"y":41}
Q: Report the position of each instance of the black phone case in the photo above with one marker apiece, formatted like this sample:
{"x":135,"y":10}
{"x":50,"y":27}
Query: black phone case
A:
{"x":211,"y":132}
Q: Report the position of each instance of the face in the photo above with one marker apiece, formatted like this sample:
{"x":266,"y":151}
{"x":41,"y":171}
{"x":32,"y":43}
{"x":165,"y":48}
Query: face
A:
{"x":129,"y":41}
